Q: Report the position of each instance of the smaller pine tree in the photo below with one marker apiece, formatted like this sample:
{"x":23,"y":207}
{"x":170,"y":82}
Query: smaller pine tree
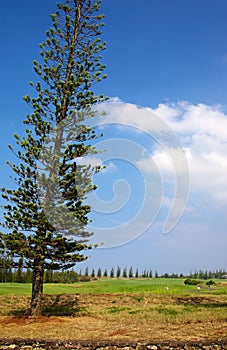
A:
{"x":124,"y":274}
{"x":118,"y":271}
{"x":130,"y":274}
{"x":112,"y":273}
{"x":19,"y":273}
{"x":99,"y":273}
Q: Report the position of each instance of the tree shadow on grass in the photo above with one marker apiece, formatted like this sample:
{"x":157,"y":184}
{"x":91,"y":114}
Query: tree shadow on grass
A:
{"x":201,"y":301}
{"x":55,"y":305}
{"x":60,"y":305}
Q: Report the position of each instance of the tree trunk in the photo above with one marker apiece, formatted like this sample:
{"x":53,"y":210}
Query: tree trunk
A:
{"x":37,"y":290}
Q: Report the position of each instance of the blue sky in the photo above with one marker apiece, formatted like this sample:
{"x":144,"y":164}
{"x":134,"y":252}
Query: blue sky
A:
{"x":167,"y":68}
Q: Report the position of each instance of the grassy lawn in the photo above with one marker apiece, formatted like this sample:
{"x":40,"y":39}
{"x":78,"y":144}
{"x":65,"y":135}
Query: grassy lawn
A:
{"x":118,"y":309}
{"x":105,"y":286}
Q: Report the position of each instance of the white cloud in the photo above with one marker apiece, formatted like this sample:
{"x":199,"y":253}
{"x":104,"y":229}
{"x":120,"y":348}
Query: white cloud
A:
{"x":109,"y":168}
{"x":202,"y":131}
{"x":89,"y":160}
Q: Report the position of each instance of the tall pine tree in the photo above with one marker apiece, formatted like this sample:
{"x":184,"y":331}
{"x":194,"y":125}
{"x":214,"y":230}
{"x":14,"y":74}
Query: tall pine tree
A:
{"x":40,"y":228}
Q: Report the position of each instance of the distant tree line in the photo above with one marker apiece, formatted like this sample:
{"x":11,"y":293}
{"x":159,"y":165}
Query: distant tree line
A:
{"x":134,"y":273}
{"x":10,"y":273}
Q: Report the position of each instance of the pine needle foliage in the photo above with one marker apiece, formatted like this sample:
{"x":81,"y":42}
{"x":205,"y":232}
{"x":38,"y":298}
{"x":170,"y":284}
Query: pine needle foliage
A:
{"x":45,"y":215}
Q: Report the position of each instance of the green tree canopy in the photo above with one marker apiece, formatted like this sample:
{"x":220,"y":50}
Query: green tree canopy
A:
{"x":45,"y":214}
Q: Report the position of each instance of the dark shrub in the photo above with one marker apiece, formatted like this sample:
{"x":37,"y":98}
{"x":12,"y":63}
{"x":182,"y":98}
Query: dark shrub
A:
{"x":192,"y":282}
{"x":210,"y":283}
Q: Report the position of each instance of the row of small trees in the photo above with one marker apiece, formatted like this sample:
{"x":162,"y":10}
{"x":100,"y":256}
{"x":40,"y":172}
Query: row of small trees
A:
{"x":20,"y":275}
{"x":134,"y":273}
{"x":119,"y":272}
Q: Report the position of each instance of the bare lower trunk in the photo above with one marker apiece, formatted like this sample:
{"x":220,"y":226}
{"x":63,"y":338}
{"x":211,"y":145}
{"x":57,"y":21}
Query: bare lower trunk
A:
{"x":37,"y":291}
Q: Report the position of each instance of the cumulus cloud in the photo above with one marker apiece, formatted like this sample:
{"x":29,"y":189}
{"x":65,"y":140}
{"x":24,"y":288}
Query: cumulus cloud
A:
{"x":201,"y":130}
{"x":109,"y":167}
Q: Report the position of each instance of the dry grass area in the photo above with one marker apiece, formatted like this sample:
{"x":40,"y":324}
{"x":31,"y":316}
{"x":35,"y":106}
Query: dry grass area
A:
{"x":117,"y":316}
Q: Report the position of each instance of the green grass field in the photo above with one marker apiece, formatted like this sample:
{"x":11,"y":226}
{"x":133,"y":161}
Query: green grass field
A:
{"x":105,"y":286}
